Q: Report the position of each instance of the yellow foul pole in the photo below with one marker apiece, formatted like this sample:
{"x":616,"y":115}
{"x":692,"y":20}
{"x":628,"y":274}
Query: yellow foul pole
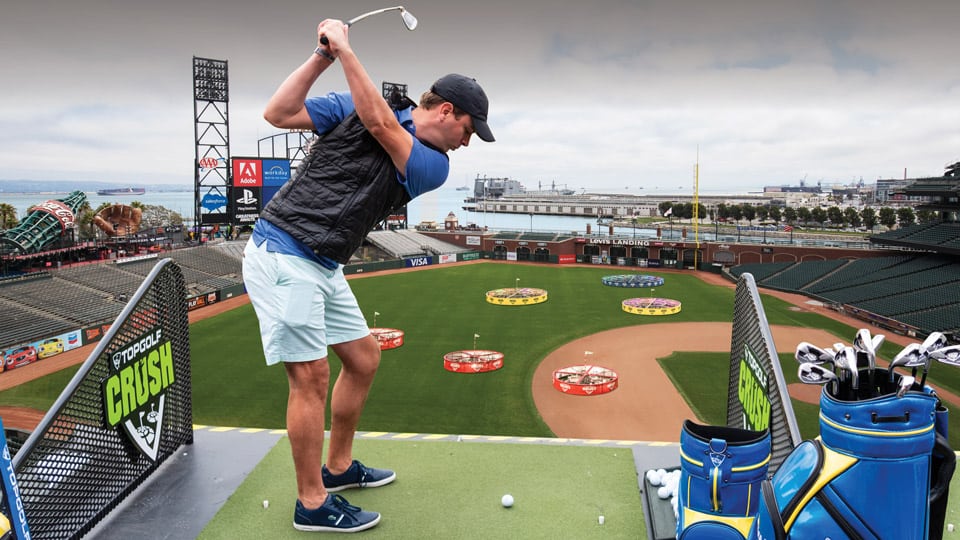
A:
{"x":696,"y":208}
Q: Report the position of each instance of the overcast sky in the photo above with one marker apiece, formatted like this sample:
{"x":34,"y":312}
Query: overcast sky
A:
{"x":604,"y":95}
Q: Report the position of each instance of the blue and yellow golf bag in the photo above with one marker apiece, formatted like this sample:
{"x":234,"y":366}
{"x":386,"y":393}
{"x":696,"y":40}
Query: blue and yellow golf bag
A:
{"x":877,"y":469}
{"x":721,"y":470}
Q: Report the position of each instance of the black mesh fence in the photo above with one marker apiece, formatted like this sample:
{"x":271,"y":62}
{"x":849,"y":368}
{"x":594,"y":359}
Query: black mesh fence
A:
{"x":126,"y":410}
{"x":757,"y":396}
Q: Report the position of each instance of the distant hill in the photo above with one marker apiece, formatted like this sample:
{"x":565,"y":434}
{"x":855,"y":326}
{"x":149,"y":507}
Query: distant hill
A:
{"x":64,"y":186}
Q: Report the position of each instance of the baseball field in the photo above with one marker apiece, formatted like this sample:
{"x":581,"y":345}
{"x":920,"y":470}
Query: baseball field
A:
{"x":665,"y":362}
{"x":441,"y":310}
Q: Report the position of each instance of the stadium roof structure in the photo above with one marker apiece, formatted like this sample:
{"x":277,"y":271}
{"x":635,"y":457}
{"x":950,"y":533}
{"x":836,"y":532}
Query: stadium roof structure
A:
{"x":942,"y":194}
{"x":938,"y":186}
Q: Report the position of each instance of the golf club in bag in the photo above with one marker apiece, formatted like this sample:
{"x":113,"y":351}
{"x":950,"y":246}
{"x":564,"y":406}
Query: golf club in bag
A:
{"x":887,"y":437}
{"x":408,"y":19}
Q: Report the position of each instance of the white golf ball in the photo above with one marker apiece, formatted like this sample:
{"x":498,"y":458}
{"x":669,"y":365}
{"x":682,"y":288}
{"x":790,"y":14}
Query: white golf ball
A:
{"x":949,"y":527}
{"x":653,"y":477}
{"x":507,"y":500}
{"x":663,"y":492}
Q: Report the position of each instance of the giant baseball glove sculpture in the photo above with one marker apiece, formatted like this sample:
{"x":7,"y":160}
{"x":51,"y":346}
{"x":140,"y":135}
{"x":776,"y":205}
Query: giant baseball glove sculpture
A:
{"x":118,"y":220}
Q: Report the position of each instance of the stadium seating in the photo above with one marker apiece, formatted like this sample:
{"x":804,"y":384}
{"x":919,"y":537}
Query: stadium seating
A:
{"x":45,"y":304}
{"x":760,"y":271}
{"x":799,"y":275}
{"x":402,"y":243}
{"x":918,"y":289}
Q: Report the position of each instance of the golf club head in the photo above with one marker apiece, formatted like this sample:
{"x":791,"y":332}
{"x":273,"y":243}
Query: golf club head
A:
{"x":947,"y":355}
{"x":408,"y":19}
{"x":910,"y":356}
{"x":936,"y":340}
{"x":810,"y":373}
{"x":906,"y":382}
{"x":862,"y":341}
{"x":902,"y":358}
{"x":878,"y":340}
{"x":807,"y":352}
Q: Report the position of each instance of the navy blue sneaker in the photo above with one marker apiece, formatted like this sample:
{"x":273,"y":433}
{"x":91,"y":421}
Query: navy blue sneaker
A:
{"x":357,"y":476}
{"x":336,"y":515}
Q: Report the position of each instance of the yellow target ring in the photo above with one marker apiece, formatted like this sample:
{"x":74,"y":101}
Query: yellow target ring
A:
{"x":651,"y":306}
{"x":523,"y":296}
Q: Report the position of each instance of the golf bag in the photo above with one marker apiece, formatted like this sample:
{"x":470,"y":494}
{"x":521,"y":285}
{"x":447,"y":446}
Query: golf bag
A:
{"x":721,"y":469}
{"x":869,"y":474}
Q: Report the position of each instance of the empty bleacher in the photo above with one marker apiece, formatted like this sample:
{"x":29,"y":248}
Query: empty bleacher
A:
{"x":920,"y":290}
{"x":104,"y":277}
{"x":35,"y":306}
{"x":855,"y":271}
{"x":799,"y":275}
{"x":402,"y":243}
{"x":22,"y":324}
{"x":938,"y":236}
{"x":760,"y":271}
{"x":940,"y":319}
{"x":61,"y":298}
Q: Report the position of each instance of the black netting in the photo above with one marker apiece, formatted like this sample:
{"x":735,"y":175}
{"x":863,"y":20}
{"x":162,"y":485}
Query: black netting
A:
{"x":82,"y":460}
{"x":752,"y":345}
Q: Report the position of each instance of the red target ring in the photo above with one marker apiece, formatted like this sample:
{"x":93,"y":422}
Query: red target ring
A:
{"x":585,"y":380}
{"x":472,"y":361}
{"x":388,"y":338}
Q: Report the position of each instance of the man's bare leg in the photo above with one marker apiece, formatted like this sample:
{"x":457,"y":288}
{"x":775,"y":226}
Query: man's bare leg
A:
{"x":360,"y":359}
{"x":306,"y":406}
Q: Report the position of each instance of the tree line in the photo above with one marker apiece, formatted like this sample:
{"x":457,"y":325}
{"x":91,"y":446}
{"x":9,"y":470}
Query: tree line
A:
{"x":833,"y":216}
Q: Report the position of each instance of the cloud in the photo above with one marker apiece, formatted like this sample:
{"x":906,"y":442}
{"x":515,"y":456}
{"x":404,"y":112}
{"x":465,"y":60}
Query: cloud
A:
{"x":613,"y":94}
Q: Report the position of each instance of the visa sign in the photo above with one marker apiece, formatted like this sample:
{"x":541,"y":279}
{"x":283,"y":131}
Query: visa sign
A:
{"x":418,"y":261}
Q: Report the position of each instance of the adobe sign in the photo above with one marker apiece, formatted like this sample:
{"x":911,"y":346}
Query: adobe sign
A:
{"x":247,"y":172}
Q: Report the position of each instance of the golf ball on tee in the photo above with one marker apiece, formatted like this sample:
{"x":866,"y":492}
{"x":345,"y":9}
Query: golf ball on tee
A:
{"x":507,"y":500}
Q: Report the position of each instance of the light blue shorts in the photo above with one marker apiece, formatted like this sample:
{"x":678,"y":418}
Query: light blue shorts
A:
{"x":302,"y":306}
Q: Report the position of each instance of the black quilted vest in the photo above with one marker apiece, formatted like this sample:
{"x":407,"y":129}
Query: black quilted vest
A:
{"x":345,"y":186}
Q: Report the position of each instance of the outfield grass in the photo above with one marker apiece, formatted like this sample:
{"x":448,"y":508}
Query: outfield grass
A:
{"x":440,"y":310}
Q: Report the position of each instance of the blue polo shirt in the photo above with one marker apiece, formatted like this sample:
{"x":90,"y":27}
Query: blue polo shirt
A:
{"x":426,"y":170}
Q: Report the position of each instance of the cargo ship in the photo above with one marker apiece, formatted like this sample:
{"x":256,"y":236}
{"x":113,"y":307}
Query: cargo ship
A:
{"x":122,"y":191}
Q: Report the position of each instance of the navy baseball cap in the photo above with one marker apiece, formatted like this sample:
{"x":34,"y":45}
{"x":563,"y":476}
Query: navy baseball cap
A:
{"x":467,"y":95}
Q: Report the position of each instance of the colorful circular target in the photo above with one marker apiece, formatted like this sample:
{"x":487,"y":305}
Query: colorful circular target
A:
{"x":517,"y":296}
{"x":585,"y":380}
{"x":632,"y":280}
{"x":388,"y":338}
{"x":472,"y":361}
{"x":651,"y":306}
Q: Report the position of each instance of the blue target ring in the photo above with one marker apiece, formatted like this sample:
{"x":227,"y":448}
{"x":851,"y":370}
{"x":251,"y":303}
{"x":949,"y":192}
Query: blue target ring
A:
{"x":635,"y":281}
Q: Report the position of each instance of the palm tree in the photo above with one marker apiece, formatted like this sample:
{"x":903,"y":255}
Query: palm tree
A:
{"x":8,"y":216}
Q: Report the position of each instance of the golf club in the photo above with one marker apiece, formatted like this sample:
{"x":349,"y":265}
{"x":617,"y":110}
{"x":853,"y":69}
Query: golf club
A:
{"x":866,"y":347}
{"x":408,"y":19}
{"x":811,"y":373}
{"x":934,"y":341}
{"x":908,"y":357}
{"x":905,"y":383}
{"x":947,"y":355}
{"x":807,"y":352}
{"x":846,"y":359}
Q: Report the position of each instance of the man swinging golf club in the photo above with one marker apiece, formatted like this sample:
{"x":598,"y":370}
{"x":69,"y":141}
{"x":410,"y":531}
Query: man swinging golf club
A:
{"x":369,"y":159}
